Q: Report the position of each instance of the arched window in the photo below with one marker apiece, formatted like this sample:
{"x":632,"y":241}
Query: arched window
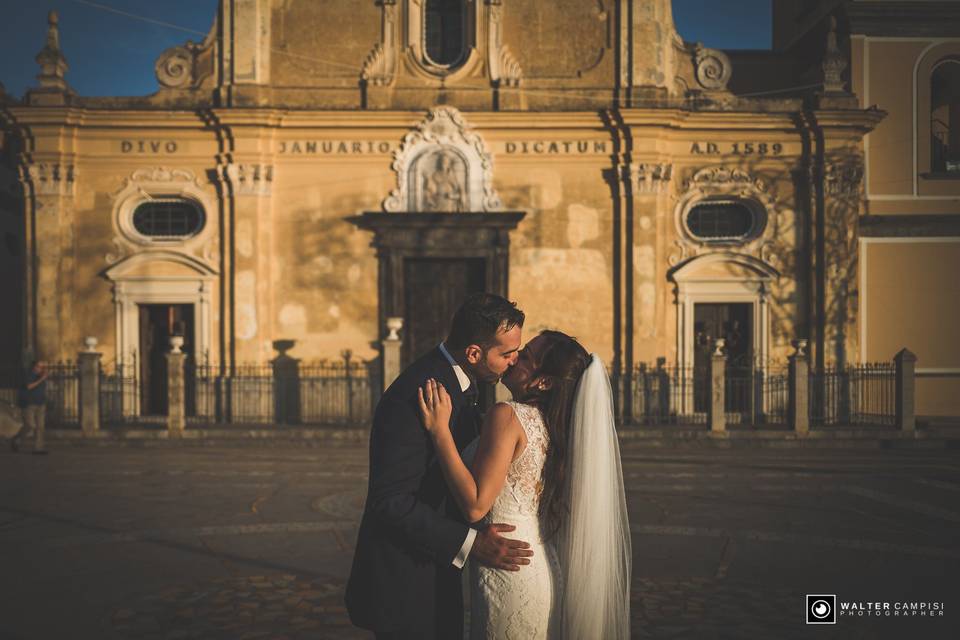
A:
{"x":168,"y":218}
{"x":722,"y":221}
{"x":945,"y":117}
{"x":444,"y":32}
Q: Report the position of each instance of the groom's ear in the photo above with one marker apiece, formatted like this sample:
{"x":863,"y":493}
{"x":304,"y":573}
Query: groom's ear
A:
{"x":473,"y":353}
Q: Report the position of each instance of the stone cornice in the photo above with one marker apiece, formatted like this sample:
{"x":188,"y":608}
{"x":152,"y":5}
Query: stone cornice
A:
{"x":369,"y":121}
{"x":904,"y":19}
{"x":912,"y":225}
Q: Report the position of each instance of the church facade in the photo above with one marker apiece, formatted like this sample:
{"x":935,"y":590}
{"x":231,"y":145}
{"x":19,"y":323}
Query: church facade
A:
{"x":310,"y":170}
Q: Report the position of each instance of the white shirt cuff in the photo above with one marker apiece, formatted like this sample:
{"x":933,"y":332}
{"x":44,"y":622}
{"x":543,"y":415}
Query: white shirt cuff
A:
{"x":461,"y":558}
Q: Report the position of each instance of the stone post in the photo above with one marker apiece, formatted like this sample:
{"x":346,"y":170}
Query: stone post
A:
{"x":391,"y":352}
{"x":798,"y":411}
{"x":88,"y":362}
{"x":717,"y":411}
{"x":906,"y":363}
{"x":176,"y":396}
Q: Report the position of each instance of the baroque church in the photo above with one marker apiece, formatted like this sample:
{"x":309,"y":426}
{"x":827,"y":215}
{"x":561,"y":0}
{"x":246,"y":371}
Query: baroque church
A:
{"x":314,"y":171}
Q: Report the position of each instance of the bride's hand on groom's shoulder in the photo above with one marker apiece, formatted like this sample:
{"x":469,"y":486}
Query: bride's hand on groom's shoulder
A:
{"x":435,"y":407}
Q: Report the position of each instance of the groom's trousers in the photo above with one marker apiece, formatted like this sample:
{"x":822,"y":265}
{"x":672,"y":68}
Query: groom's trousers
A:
{"x":445,"y":621}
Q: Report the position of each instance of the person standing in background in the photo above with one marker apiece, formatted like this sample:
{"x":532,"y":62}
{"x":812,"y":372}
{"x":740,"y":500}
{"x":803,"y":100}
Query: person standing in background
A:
{"x":33,"y":405}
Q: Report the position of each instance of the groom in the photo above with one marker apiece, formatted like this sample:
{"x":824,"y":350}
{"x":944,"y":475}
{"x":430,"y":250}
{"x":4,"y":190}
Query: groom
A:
{"x":405,"y":580}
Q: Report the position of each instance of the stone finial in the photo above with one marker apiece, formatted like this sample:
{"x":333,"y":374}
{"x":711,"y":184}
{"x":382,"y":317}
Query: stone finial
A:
{"x":175,"y":343}
{"x":90,"y":342}
{"x":800,"y":346}
{"x":53,"y":65}
{"x":834,"y":62}
{"x":394,"y":324}
{"x":718,"y":346}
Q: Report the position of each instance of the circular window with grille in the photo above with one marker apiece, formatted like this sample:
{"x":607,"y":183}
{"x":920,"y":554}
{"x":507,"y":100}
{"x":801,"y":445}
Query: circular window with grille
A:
{"x":723,"y":221}
{"x":168,"y":218}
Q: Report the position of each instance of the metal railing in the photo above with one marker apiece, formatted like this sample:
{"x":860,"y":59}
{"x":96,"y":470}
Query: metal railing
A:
{"x":286,"y":391}
{"x":674,"y":395}
{"x":861,"y":394}
{"x":119,"y":394}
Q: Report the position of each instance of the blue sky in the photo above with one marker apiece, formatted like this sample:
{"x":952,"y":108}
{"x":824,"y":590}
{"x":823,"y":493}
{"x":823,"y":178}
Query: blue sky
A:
{"x":113,"y":54}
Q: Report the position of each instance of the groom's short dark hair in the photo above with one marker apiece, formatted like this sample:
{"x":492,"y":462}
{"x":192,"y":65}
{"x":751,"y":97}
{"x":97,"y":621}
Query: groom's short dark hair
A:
{"x":479,"y":318}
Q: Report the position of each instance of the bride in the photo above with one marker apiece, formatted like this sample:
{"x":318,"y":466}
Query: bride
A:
{"x":549,"y":463}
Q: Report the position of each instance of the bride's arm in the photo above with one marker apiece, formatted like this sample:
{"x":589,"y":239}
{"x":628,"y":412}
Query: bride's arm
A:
{"x":476,"y":489}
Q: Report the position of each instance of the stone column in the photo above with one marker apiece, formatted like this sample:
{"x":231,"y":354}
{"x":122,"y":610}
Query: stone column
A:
{"x":391,"y":352}
{"x":250,"y":250}
{"x":717,"y":411}
{"x":798,"y":412}
{"x":906,"y":363}
{"x":89,"y":369}
{"x":176,"y":396}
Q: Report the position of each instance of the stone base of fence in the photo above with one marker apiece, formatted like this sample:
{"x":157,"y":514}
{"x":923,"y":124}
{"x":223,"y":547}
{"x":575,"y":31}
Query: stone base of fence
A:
{"x":834,"y":437}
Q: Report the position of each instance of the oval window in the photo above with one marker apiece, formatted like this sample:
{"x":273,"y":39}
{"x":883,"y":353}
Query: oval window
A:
{"x":721,"y":221}
{"x":444,"y":26}
{"x":168,"y":218}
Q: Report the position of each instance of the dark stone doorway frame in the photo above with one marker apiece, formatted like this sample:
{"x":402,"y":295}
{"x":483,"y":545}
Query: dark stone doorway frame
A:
{"x":398,"y":236}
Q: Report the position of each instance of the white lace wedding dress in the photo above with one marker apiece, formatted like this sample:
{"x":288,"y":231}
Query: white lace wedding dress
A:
{"x":519,"y":604}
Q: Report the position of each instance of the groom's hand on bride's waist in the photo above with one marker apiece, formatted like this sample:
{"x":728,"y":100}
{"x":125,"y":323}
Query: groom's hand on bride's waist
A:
{"x":493,"y":550}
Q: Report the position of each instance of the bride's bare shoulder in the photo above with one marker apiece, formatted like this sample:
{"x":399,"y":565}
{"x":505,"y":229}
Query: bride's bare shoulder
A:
{"x":502,"y":418}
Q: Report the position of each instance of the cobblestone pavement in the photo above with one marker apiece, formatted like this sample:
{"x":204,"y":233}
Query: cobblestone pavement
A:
{"x":243,"y":542}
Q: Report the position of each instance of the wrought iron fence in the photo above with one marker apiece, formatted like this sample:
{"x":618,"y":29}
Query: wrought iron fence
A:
{"x":855,"y":394}
{"x":62,"y":390}
{"x":757,"y":396}
{"x":119,"y":394}
{"x":663,"y":394}
{"x":63,"y":395}
{"x":338,"y":392}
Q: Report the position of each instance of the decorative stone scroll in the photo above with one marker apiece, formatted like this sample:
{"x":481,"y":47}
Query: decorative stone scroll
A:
{"x":443,"y":165}
{"x":713,"y":68}
{"x":379,"y":68}
{"x":174,"y":67}
{"x":504,"y":66}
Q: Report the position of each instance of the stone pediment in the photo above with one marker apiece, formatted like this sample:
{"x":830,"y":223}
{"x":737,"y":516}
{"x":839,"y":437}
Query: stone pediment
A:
{"x":160,"y":264}
{"x":725,"y":265}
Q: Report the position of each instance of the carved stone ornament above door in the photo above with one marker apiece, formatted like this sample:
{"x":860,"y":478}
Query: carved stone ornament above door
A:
{"x":443,"y":165}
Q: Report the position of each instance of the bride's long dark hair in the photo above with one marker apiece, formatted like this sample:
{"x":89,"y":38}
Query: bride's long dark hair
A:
{"x":562,"y":363}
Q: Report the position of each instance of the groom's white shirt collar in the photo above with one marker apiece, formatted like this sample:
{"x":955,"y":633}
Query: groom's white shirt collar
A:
{"x":462,"y":376}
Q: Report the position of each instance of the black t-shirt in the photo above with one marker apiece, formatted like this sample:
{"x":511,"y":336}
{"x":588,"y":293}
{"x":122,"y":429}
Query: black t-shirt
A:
{"x":37,"y":395}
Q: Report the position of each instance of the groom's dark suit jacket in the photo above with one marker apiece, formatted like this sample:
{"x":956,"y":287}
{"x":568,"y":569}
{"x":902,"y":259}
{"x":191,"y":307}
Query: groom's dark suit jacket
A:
{"x":403,"y":575}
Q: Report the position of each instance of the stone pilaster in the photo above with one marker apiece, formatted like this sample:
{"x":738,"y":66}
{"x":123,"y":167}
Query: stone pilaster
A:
{"x":250,"y":184}
{"x":717,"y":411}
{"x":906,"y":362}
{"x":49,"y":187}
{"x":88,"y":362}
{"x":799,"y":381}
{"x":176,"y":390}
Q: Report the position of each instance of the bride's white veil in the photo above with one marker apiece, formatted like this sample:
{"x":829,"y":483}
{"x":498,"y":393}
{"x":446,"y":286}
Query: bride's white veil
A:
{"x":594,"y":544}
